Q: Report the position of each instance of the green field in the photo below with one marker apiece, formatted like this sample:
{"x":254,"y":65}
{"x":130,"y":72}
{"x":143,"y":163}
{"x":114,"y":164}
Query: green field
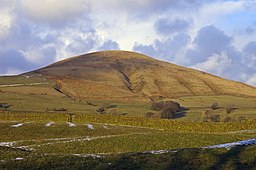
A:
{"x":236,"y":158}
{"x":36,"y":131}
{"x":34,"y":145}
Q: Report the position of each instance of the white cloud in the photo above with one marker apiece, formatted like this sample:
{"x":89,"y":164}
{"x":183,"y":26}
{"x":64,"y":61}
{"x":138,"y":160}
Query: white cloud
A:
{"x":252,"y":80}
{"x":216,"y":64}
{"x":53,"y":10}
{"x":6,"y":21}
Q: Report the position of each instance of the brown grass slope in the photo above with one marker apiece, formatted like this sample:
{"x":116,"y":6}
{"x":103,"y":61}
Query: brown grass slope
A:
{"x":122,"y":75}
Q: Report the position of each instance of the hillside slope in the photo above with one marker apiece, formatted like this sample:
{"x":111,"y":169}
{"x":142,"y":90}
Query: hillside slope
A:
{"x":122,"y":75}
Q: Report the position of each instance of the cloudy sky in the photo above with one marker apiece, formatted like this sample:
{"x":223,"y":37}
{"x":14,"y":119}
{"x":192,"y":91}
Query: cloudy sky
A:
{"x":216,"y":36}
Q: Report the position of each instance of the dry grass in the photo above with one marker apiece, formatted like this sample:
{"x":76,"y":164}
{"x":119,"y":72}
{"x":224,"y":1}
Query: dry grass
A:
{"x":121,"y":75}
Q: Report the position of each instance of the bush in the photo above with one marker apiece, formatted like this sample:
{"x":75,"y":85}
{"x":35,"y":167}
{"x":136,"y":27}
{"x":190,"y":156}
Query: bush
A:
{"x":212,"y":118}
{"x":57,"y":87}
{"x":158,"y":106}
{"x":229,"y":109}
{"x":167,"y":113}
{"x":101,"y":110}
{"x":5,"y":106}
{"x":214,"y":106}
{"x":59,"y":109}
{"x":149,"y":114}
{"x":228,"y":119}
{"x":167,"y":109}
{"x":241,"y":119}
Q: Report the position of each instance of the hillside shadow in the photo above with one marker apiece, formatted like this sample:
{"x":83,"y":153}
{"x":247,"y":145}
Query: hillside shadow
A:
{"x":210,"y":160}
{"x":232,"y":158}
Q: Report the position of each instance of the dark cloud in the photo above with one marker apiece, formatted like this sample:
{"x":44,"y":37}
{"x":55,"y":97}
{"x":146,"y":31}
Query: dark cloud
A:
{"x":250,"y":30}
{"x":80,"y":45}
{"x":165,"y":49}
{"x":250,"y":54}
{"x":214,"y":52}
{"x":149,"y":50}
{"x":109,"y":45}
{"x":14,"y":60}
{"x":145,"y":9}
{"x":208,"y":41}
{"x":169,"y":26}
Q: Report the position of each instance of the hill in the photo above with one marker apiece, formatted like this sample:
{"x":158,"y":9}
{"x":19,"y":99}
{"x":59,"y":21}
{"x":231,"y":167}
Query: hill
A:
{"x":122,"y":75}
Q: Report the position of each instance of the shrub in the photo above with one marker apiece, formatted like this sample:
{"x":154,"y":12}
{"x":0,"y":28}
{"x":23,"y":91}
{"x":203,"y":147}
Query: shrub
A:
{"x":5,"y":106}
{"x":212,"y":118}
{"x":59,"y":109}
{"x":241,"y":119}
{"x":167,"y":109}
{"x":167,"y":113}
{"x":229,"y":109}
{"x":101,"y":110}
{"x":158,"y":106}
{"x":57,"y":87}
{"x":149,"y":114}
{"x":228,"y":119}
{"x":214,"y":106}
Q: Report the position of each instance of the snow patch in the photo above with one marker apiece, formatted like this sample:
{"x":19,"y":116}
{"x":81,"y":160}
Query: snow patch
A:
{"x":17,"y":125}
{"x":49,"y":124}
{"x":233,"y":144}
{"x":87,"y":155}
{"x":17,"y":85}
{"x":158,"y":152}
{"x":71,"y":124}
{"x":7,"y":144}
{"x":18,"y":159}
{"x":89,"y":126}
{"x":24,"y":148}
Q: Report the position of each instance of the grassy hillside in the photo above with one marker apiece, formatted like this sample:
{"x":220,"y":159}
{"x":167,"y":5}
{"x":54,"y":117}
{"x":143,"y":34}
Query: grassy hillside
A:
{"x":92,"y":111}
{"x":129,"y":76}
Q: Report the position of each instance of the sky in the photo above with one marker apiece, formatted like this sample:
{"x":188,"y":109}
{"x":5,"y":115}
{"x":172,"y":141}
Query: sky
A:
{"x":215,"y":36}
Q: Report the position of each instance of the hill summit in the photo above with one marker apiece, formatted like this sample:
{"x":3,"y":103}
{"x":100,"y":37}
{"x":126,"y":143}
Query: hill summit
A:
{"x":123,"y":75}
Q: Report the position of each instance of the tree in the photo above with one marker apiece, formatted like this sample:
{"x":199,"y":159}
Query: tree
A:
{"x":166,"y":109}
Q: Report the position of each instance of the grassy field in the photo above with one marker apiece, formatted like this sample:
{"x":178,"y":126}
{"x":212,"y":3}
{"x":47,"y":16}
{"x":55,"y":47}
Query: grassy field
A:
{"x":236,"y":158}
{"x":42,"y":97}
{"x":36,"y":131}
{"x":43,"y":144}
{"x":197,"y":106}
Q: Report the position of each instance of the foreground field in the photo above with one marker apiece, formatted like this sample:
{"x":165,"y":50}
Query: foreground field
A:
{"x":235,"y":158}
{"x":47,"y":140}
